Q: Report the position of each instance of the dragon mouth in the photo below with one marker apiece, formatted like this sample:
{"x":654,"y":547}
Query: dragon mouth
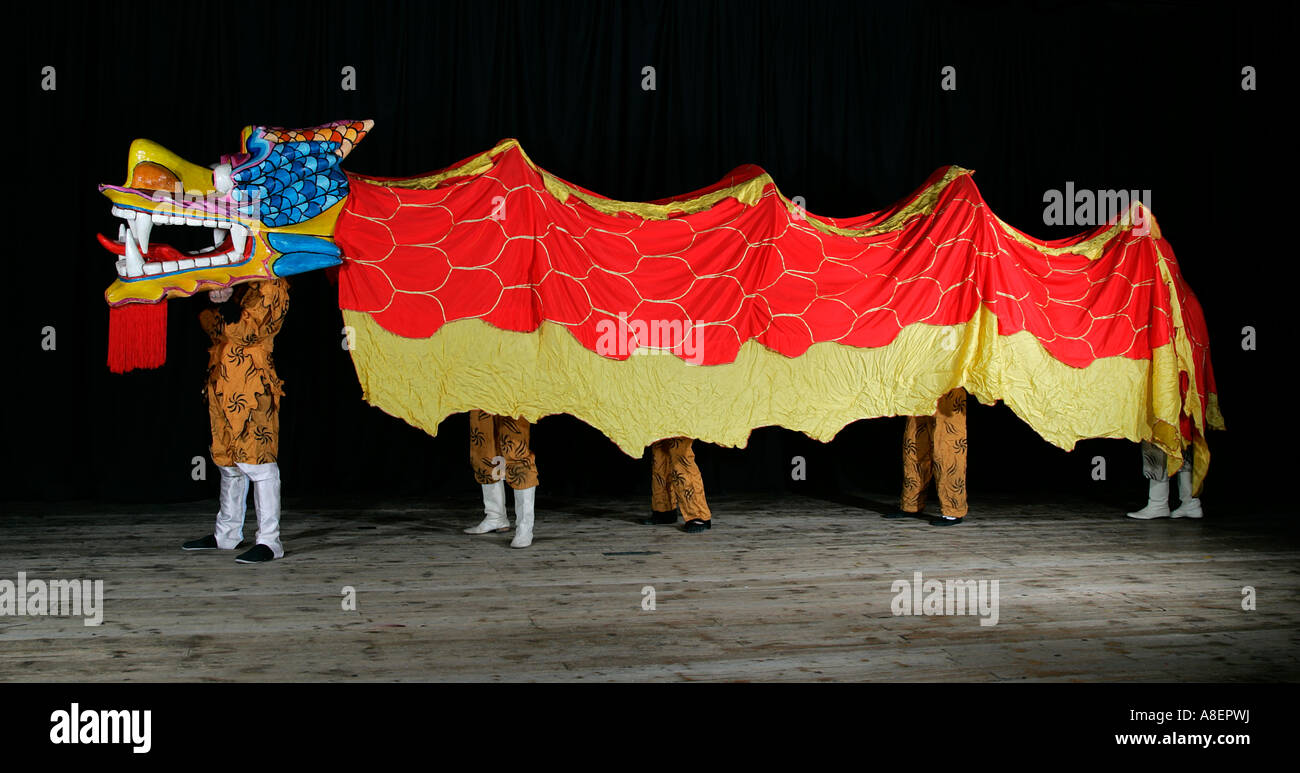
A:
{"x":139,"y":256}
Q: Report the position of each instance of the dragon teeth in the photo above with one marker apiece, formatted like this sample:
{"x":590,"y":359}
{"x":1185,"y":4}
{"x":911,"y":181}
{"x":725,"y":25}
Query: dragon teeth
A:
{"x":141,"y":226}
{"x":134,"y":261}
{"x":136,"y":233}
{"x":239,"y":237}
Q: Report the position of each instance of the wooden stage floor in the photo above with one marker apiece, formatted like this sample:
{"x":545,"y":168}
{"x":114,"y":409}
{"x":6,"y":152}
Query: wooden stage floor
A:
{"x":783,"y":589}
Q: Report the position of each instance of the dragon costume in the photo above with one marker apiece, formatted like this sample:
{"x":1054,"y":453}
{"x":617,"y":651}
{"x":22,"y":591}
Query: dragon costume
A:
{"x":495,"y":285}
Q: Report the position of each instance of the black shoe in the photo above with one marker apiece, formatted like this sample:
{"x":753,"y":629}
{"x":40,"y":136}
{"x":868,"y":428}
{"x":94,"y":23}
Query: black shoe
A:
{"x":900,"y":514}
{"x":697,"y":525}
{"x":945,"y":520}
{"x":259,"y":554}
{"x":204,"y":543}
{"x":659,"y":518}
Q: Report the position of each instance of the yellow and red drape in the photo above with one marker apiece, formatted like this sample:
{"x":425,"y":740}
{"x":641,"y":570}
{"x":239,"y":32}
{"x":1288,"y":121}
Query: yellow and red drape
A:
{"x":496,"y":285}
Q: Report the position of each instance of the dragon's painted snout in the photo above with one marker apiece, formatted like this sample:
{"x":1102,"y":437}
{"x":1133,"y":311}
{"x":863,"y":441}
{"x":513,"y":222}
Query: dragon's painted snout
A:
{"x":271,"y":210}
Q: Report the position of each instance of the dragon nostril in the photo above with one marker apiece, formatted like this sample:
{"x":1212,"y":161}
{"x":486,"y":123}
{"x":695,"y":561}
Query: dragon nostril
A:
{"x":150,"y":176}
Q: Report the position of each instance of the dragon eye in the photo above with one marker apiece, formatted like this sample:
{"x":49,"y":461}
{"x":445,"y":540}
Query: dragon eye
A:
{"x":221,"y":178}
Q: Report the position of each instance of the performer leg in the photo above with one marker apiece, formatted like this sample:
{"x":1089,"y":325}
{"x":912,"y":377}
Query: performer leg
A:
{"x":1153,"y":467}
{"x":524,"y":501}
{"x":483,"y":448}
{"x":663,"y":505}
{"x":949,"y":443}
{"x":494,"y":510}
{"x":234,"y":504}
{"x":688,"y":485}
{"x":489,"y":471}
{"x":521,"y":473}
{"x":266,"y":496}
{"x":513,"y":437}
{"x":232,"y":495}
{"x":1188,"y":505}
{"x":918,"y":463}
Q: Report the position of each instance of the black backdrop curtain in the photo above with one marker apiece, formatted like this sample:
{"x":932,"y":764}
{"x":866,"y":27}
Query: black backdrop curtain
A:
{"x":840,"y":103}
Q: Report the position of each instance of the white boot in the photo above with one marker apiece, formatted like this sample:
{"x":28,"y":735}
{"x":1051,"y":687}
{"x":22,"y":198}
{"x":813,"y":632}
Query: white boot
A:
{"x":523,"y":517}
{"x":1188,"y":505}
{"x":266,"y":495}
{"x":1157,"y":502}
{"x":234,"y":502}
{"x":494,"y":508}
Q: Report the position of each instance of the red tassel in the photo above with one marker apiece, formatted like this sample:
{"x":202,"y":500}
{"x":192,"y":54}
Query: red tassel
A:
{"x":137,"y":336}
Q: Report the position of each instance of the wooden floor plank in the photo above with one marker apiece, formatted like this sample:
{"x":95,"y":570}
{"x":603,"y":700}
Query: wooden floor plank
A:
{"x":783,"y":589}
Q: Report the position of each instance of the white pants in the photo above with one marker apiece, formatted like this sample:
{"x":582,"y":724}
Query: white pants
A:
{"x":234,"y":503}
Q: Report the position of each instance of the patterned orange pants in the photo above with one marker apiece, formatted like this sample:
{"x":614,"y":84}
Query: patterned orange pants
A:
{"x":934,"y":447}
{"x":498,"y":450}
{"x":675,"y":479}
{"x":257,"y":441}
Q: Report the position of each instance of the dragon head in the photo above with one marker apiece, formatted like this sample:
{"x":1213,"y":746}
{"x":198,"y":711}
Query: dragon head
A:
{"x":270,"y":208}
